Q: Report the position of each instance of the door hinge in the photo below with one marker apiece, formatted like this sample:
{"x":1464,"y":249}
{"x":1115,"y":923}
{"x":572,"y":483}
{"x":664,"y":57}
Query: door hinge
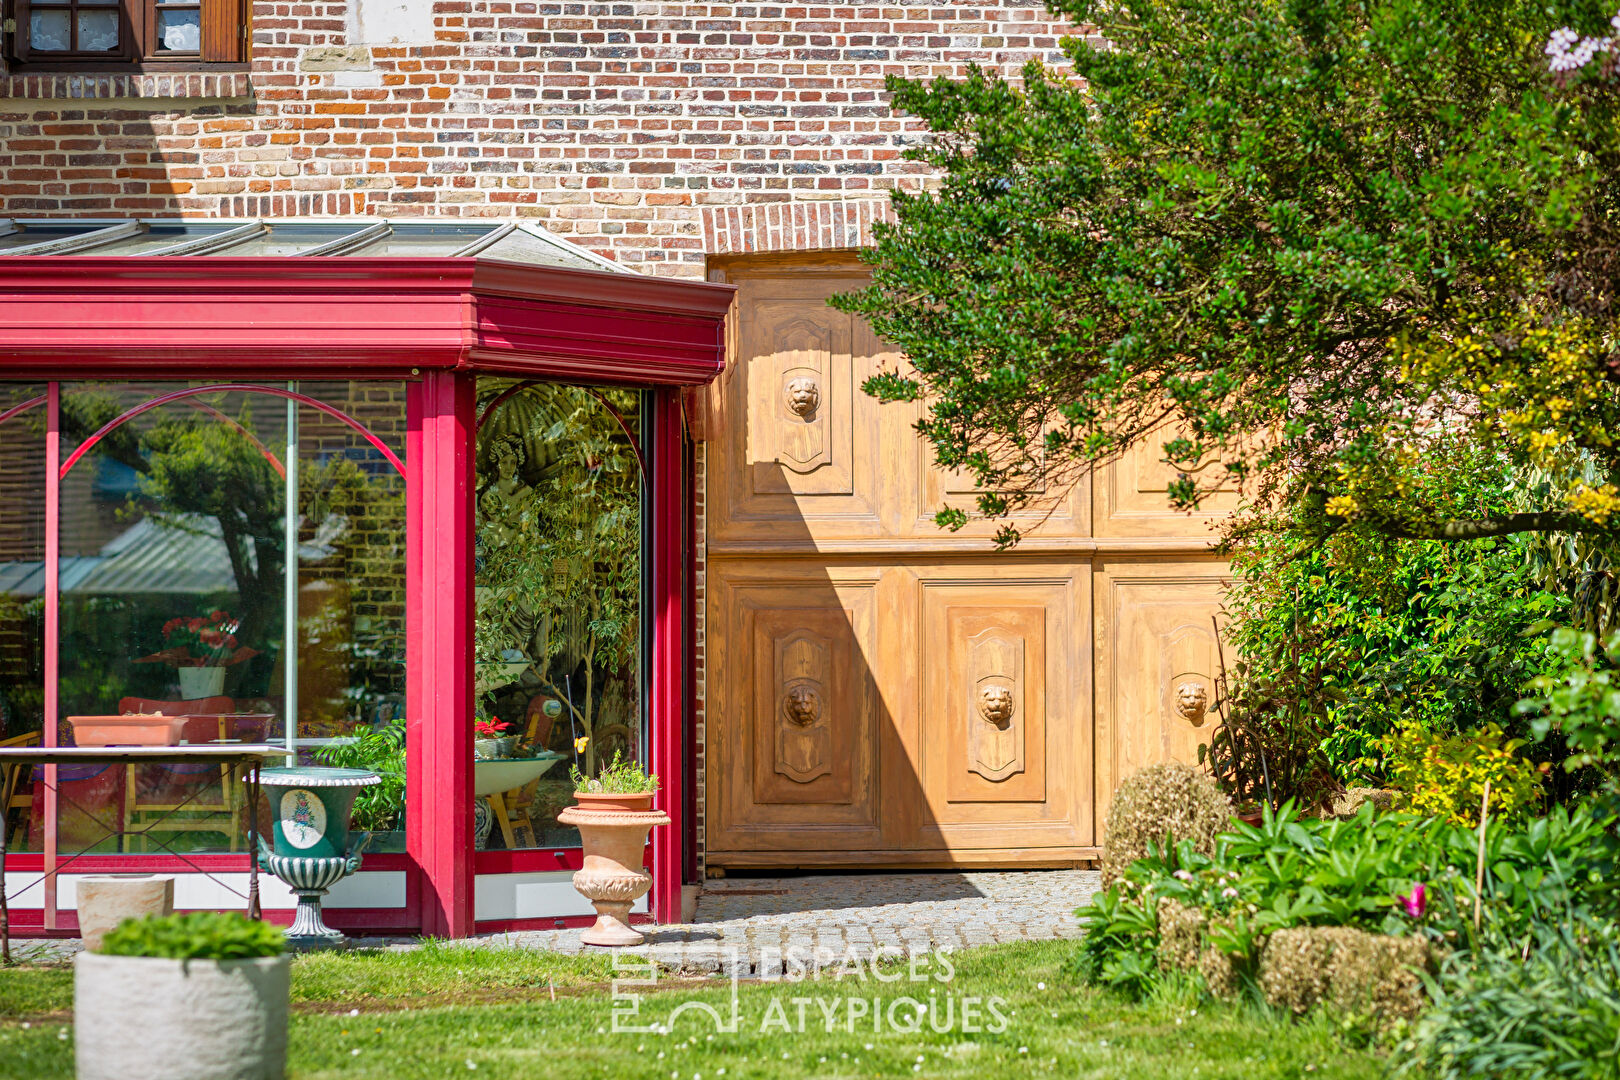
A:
{"x":9,"y":26}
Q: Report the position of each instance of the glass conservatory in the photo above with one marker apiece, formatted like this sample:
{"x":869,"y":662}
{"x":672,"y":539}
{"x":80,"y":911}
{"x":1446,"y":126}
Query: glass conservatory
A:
{"x":410,"y":496}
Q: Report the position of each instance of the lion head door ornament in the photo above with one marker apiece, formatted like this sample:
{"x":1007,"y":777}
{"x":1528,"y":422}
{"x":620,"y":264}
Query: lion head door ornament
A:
{"x":1192,"y":701}
{"x":803,"y":396}
{"x":801,"y":705}
{"x":996,"y":704}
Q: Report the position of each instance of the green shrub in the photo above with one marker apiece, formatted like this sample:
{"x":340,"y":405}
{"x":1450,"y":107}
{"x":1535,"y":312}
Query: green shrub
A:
{"x":1544,"y":1005}
{"x":1434,"y":635}
{"x":1169,"y":800}
{"x":1361,"y":873}
{"x":382,"y":750}
{"x":1372,"y":976}
{"x":1444,"y":775}
{"x":194,"y":935}
{"x":1580,"y":703}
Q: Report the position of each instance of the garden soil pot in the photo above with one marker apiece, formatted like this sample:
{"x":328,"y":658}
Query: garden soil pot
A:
{"x":627,"y":804}
{"x":201,"y":682}
{"x":147,"y":1018}
{"x":104,"y":901}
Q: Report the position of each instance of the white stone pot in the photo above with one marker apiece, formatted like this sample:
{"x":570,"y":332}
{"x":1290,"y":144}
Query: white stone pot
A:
{"x":147,"y":1018}
{"x":106,"y":900}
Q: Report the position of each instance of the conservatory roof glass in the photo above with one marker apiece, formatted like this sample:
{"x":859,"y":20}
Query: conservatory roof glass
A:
{"x":406,"y":238}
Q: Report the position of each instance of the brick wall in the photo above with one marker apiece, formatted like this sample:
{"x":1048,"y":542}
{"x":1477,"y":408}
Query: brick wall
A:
{"x":614,"y":123}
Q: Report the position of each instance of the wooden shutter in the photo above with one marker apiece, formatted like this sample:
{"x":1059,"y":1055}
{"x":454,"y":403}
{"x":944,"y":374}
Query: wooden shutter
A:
{"x":224,"y":25}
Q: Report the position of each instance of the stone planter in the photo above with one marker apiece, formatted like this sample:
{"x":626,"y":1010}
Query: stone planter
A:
{"x":105,"y":901}
{"x":147,"y":1018}
{"x":201,"y":682}
{"x":612,"y":878}
{"x":313,"y":849}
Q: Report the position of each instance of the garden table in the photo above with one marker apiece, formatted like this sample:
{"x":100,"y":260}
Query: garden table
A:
{"x":249,"y":757}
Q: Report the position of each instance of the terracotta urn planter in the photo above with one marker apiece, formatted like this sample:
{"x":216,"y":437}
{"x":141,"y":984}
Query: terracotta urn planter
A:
{"x":613,"y":830}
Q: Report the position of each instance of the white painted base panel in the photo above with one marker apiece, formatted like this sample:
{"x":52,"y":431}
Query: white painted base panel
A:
{"x":541,"y":895}
{"x":377,"y":889}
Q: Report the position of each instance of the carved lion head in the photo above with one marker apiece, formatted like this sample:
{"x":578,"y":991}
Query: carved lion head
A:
{"x":996,"y":704}
{"x":802,"y":705}
{"x":1192,"y":698}
{"x":803,"y":396}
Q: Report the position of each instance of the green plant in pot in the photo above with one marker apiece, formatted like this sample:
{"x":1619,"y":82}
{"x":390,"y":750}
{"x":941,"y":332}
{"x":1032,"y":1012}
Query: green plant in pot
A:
{"x":183,"y":997}
{"x":380,"y":808}
{"x":614,"y":816}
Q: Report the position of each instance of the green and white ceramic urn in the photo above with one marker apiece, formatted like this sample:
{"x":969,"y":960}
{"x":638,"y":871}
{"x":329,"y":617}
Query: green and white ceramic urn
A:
{"x":313,"y":850}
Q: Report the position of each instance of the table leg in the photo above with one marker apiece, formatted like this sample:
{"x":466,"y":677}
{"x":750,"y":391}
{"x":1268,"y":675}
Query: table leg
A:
{"x":5,"y":912}
{"x":252,"y":783}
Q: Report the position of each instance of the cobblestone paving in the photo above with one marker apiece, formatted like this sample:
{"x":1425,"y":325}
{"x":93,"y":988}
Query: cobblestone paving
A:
{"x":753,"y":923}
{"x":756,"y":925}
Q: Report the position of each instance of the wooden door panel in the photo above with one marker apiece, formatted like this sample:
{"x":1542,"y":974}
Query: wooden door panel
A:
{"x":1132,"y":498}
{"x":801,"y":447}
{"x":794,"y":732}
{"x":1157,"y":661}
{"x":1005,"y":706}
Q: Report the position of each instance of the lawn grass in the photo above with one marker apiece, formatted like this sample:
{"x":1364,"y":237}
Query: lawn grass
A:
{"x":493,"y":1014}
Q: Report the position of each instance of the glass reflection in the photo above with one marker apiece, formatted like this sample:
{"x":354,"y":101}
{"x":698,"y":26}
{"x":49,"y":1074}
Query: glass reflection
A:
{"x":559,"y":632}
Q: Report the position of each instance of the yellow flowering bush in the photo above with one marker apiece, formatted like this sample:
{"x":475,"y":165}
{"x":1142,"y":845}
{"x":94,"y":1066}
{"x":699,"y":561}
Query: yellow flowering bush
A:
{"x":1444,"y":775}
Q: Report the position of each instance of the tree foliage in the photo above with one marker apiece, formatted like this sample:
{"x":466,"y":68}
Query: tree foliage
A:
{"x":1285,"y":241}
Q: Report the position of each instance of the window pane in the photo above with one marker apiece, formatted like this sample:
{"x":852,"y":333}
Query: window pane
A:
{"x":98,"y":31}
{"x":172,"y":602}
{"x":559,"y":632}
{"x":351,"y":597}
{"x":22,"y":605}
{"x":179,"y":30}
{"x":48,"y":30}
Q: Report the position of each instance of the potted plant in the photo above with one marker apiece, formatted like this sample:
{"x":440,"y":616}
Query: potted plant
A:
{"x":198,"y":996}
{"x":614,"y":816}
{"x":377,"y":809}
{"x":493,"y":739}
{"x":201,"y":648}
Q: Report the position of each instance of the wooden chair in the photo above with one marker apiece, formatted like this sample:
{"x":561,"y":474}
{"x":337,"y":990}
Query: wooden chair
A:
{"x":168,"y":806}
{"x":16,"y":793}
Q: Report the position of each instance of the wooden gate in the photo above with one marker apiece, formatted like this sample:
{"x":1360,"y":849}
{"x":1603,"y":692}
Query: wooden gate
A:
{"x":882,"y":692}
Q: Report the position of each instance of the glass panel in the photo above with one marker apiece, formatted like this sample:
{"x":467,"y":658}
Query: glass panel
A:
{"x":179,"y":29}
{"x":48,"y":30}
{"x":22,"y":608}
{"x":174,"y":599}
{"x":351,"y":597}
{"x":558,"y":644}
{"x":171,"y":601}
{"x":98,"y":31}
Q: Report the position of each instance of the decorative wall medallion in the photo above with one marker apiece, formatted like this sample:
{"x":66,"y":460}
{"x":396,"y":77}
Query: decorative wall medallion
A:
{"x":303,"y":818}
{"x":802,"y":705}
{"x":803,"y":673}
{"x":995,"y":688}
{"x":803,"y":396}
{"x":996,"y":703}
{"x":1192,"y":700}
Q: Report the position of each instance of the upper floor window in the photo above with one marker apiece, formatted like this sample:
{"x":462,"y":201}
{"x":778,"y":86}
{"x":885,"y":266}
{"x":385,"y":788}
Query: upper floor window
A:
{"x":131,"y":31}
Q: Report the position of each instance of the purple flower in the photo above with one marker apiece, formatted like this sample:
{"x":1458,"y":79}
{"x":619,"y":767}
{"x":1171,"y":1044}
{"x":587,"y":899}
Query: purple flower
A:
{"x":1415,"y":902}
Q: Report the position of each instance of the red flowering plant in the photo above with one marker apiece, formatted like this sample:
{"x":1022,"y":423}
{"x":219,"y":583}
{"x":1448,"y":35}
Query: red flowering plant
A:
{"x":494,"y":728}
{"x":201,"y":641}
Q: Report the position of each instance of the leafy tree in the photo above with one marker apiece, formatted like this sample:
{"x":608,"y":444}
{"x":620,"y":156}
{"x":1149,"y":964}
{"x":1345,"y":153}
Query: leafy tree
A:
{"x":1288,"y":241}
